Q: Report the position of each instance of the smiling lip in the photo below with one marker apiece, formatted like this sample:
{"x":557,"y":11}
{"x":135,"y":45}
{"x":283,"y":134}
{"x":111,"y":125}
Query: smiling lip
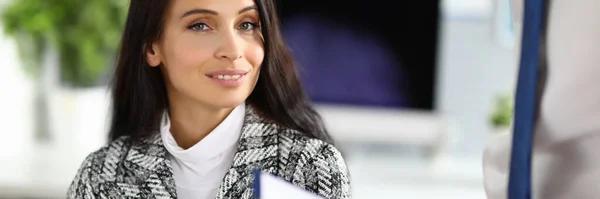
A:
{"x":227,"y":72}
{"x":228,"y":78}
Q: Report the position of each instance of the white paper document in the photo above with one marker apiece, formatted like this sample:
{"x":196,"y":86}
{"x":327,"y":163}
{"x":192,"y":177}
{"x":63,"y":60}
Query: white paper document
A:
{"x":268,"y":186}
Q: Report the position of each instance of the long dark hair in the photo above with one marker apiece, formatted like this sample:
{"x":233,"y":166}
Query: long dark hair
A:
{"x":139,"y":93}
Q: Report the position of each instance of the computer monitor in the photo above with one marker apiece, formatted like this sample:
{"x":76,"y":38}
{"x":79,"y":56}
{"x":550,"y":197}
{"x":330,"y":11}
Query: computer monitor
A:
{"x":370,"y":68}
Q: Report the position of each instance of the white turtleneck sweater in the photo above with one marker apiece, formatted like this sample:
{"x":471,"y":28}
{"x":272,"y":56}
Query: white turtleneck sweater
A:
{"x":199,"y":170}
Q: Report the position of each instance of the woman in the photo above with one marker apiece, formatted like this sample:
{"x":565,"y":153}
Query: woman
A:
{"x":204,"y":93}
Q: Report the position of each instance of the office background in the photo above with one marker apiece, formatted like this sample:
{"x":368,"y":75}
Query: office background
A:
{"x":425,"y":144}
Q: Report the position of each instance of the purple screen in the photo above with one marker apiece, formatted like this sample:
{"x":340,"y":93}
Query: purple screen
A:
{"x":342,"y":64}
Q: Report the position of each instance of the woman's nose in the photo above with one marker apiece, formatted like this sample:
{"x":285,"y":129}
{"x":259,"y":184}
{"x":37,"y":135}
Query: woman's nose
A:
{"x":231,"y":47}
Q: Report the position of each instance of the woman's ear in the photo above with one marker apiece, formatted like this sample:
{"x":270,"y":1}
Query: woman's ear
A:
{"x":153,"y":56}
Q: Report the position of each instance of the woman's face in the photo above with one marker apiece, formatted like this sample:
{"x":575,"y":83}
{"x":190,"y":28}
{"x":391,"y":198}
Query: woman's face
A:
{"x":210,"y":50}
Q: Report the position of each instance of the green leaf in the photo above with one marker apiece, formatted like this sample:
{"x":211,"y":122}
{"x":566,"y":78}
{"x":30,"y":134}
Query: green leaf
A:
{"x":503,"y":111}
{"x":86,"y":33}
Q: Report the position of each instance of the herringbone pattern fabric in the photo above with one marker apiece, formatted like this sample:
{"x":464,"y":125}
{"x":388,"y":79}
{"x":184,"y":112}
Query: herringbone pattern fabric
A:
{"x":127,"y":169}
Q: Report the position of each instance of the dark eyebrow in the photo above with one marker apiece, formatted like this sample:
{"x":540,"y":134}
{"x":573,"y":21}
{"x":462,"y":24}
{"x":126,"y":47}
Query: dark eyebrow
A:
{"x":199,"y":11}
{"x":246,"y":9}
{"x":212,"y":12}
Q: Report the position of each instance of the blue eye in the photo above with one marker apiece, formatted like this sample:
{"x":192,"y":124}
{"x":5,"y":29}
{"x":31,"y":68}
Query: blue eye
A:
{"x":248,"y":26}
{"x":198,"y":27}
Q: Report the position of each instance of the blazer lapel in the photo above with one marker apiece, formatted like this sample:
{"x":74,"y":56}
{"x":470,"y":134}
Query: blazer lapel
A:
{"x":257,"y":149}
{"x":146,"y":172}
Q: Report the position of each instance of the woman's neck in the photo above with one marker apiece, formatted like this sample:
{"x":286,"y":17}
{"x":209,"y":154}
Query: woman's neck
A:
{"x":191,"y":121}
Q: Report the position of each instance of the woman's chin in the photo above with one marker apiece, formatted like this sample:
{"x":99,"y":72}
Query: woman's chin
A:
{"x":227,"y":105}
{"x":222,"y":98}
{"x":228,"y":101}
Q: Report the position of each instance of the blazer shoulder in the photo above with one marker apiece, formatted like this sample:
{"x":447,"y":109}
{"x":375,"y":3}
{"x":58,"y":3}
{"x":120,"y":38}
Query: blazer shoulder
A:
{"x":321,"y":166}
{"x":109,"y":153}
{"x":298,"y":142}
{"x":89,"y":175}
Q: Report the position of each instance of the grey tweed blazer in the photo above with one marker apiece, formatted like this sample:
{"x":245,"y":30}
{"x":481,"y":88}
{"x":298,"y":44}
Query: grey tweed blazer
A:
{"x":126,"y":169}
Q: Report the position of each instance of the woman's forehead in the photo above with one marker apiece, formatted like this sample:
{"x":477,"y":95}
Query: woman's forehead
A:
{"x":218,"y":7}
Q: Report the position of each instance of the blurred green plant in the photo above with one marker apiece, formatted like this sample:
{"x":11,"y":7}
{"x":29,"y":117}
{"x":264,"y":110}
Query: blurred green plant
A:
{"x":86,"y":34}
{"x":502,"y":113}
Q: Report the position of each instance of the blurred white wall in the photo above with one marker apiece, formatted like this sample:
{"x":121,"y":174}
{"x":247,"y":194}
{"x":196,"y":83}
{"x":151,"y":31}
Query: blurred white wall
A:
{"x":15,"y":98}
{"x":473,"y":68}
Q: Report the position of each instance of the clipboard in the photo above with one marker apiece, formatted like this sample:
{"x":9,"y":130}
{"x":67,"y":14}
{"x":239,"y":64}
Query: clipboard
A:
{"x":269,"y":186}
